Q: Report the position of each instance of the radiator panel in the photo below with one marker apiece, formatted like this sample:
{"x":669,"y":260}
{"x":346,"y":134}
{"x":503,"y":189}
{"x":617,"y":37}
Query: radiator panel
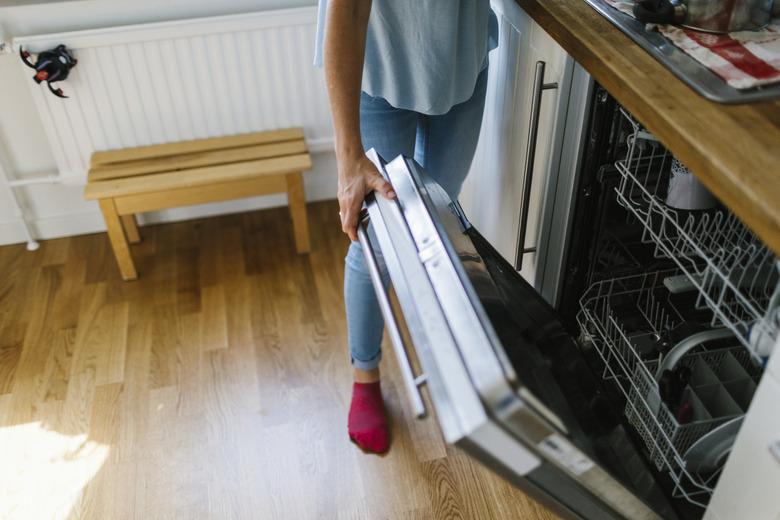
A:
{"x":181,"y":80}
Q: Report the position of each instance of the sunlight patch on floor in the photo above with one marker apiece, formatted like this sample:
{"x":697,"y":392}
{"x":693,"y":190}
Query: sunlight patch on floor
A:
{"x":43,"y":472}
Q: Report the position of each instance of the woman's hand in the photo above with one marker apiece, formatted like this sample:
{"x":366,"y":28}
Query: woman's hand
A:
{"x":357,"y":178}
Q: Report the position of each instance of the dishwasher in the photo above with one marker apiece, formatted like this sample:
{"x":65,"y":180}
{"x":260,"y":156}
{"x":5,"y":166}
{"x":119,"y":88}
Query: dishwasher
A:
{"x":624,"y":400}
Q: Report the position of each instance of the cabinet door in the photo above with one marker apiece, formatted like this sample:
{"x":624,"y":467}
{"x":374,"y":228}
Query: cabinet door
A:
{"x":494,"y":193}
{"x":543,"y":49}
{"x":750,"y":480}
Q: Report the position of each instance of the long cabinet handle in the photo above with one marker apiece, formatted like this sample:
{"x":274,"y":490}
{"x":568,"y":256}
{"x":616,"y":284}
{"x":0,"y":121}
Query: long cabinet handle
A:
{"x":411,"y":383}
{"x":530,"y":155}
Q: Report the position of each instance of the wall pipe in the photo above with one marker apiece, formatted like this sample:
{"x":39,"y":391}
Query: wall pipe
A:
{"x":32,"y":244}
{"x":32,"y":181}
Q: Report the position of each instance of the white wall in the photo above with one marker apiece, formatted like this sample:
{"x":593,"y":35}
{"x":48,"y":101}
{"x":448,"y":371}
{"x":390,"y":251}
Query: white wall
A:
{"x":59,"y":210}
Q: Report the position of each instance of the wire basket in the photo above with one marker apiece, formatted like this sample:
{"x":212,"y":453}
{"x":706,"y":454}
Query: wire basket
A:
{"x":620,"y":317}
{"x":736,"y":275}
{"x":683,"y":435}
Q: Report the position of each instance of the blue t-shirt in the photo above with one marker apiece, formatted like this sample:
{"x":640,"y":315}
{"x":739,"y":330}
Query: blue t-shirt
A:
{"x":423,"y":55}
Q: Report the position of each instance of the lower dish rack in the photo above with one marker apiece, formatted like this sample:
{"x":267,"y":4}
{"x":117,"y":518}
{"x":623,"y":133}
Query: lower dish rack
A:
{"x":627,"y":320}
{"x":736,"y":276}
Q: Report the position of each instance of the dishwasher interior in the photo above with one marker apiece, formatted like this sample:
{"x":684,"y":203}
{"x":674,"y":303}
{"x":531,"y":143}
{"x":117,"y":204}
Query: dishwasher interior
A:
{"x":674,"y":301}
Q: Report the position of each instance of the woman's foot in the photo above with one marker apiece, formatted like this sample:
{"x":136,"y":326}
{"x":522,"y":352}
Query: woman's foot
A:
{"x":367,"y":423}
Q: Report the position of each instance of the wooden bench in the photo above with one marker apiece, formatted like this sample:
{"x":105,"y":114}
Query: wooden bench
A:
{"x":149,"y":178}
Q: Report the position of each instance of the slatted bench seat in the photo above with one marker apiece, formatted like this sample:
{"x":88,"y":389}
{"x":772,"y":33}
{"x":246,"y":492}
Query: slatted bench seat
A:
{"x":150,"y":178}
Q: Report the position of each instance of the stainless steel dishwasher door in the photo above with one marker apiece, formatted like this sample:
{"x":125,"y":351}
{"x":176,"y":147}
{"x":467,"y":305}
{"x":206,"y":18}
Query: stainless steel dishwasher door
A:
{"x":480,"y":402}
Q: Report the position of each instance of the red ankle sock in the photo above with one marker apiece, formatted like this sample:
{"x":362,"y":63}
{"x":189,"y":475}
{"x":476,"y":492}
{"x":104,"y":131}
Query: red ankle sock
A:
{"x":367,"y":421}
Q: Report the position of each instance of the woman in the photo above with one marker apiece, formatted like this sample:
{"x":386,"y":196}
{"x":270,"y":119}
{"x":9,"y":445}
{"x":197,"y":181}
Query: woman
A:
{"x":404,"y":77}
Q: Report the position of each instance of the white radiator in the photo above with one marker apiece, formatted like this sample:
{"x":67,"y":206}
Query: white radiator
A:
{"x":189,"y":79}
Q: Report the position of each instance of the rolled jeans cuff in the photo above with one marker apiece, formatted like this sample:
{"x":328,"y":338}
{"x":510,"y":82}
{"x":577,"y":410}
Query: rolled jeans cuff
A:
{"x":371,"y":364}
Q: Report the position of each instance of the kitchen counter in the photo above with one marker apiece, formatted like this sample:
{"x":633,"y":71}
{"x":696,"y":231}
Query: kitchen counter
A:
{"x":734,"y":150}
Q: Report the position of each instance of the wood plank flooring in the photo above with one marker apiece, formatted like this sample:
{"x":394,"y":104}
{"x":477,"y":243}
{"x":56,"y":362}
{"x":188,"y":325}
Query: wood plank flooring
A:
{"x":215,"y":386}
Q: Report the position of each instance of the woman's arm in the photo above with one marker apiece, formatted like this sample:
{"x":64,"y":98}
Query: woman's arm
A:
{"x":345,"y":44}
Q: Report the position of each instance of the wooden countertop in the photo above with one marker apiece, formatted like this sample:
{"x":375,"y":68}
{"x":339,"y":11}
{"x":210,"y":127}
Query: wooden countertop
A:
{"x":734,"y":150}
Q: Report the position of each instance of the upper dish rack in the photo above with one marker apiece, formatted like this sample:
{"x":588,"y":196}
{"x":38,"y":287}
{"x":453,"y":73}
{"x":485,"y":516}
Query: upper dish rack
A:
{"x":735,"y":274}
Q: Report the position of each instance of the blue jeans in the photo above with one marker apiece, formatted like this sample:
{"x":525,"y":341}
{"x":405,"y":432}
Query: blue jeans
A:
{"x":444,"y":145}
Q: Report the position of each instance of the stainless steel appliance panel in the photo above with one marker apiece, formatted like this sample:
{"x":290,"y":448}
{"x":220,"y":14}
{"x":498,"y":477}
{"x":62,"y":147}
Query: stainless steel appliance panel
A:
{"x":487,"y":407}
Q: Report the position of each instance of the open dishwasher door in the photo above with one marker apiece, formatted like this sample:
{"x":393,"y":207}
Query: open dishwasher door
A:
{"x":505,"y":378}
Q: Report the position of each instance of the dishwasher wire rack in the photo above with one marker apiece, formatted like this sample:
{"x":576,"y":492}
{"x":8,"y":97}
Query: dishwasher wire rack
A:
{"x":620,"y":317}
{"x":736,"y":275}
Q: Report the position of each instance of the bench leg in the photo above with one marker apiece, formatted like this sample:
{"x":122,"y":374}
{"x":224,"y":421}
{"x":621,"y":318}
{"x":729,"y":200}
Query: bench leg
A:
{"x":131,"y":228}
{"x":116,"y":234}
{"x":296,"y":200}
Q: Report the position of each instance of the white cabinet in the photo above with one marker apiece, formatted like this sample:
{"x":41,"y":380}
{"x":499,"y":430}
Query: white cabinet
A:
{"x":749,"y":485}
{"x":494,"y":192}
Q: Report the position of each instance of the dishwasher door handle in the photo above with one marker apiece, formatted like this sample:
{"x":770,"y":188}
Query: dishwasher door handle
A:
{"x":411,"y":382}
{"x":530,"y":155}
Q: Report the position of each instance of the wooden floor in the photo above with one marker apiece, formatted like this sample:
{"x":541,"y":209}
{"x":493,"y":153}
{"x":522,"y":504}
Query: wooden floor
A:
{"x":216,"y":386}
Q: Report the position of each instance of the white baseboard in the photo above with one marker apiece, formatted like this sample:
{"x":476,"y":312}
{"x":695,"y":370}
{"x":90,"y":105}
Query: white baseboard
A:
{"x":11,"y":232}
{"x":57,"y":226}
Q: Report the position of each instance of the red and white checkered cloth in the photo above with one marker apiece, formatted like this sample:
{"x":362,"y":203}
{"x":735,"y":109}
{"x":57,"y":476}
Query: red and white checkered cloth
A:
{"x":745,"y":60}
